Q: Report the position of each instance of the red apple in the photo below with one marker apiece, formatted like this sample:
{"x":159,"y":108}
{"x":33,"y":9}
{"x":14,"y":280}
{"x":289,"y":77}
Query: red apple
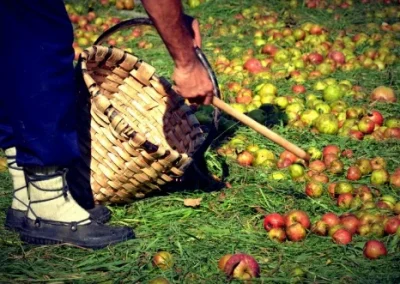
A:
{"x":344,"y":200}
{"x":374,"y":249}
{"x":297,"y":216}
{"x":376,"y":117}
{"x":317,"y":166}
{"x":353,"y":173}
{"x":392,"y":225}
{"x":283,"y":163}
{"x":331,"y":149}
{"x":269,"y":49}
{"x":328,"y":159}
{"x":242,"y":267}
{"x":347,"y":153}
{"x":315,"y":58}
{"x":331,"y":189}
{"x":277,"y":234}
{"x":366,"y":125}
{"x":299,"y":89}
{"x":245,"y":158}
{"x":253,"y":65}
{"x":331,"y":219}
{"x":273,"y":220}
{"x":392,"y":132}
{"x":296,"y":232}
{"x":333,"y":229}
{"x":314,"y":189}
{"x":288,"y":155}
{"x":323,"y":178}
{"x":337,"y":56}
{"x":223,"y":260}
{"x":395,"y":181}
{"x":342,"y":237}
{"x":350,"y":223}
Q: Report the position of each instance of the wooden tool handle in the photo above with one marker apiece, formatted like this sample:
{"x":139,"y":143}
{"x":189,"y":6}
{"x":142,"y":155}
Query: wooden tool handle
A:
{"x":260,"y":129}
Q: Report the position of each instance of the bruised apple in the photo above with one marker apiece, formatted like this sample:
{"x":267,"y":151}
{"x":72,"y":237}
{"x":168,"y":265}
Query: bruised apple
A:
{"x":242,"y":267}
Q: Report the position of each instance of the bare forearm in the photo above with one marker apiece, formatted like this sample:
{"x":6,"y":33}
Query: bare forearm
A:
{"x":168,"y":18}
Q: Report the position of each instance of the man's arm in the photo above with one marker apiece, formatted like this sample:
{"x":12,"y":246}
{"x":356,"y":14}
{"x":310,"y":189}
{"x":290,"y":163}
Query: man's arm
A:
{"x":190,"y":77}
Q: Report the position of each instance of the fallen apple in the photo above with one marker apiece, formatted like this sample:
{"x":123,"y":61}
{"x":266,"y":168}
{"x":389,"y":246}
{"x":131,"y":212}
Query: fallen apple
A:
{"x":374,"y":249}
{"x":245,"y":158}
{"x":278,"y":235}
{"x":392,"y":225}
{"x":331,"y":219}
{"x":379,"y":177}
{"x":342,"y":237}
{"x":163,"y":260}
{"x":242,"y":267}
{"x":273,"y":220}
{"x":295,"y":232}
{"x":320,"y":228}
{"x":223,"y":260}
{"x":350,"y":223}
{"x":314,"y":189}
{"x":353,"y":173}
{"x":159,"y":280}
{"x":297,"y":216}
{"x":384,"y":94}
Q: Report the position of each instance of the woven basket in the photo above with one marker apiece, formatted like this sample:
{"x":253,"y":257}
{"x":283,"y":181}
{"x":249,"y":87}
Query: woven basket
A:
{"x":142,"y":134}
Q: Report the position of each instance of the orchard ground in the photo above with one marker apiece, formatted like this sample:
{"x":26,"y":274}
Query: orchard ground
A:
{"x":230,"y":220}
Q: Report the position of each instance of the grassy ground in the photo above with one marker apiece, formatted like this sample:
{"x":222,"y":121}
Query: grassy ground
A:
{"x":229,"y":220}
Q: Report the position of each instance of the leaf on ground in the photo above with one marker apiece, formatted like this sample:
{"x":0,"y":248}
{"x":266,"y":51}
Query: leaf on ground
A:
{"x":192,"y":202}
{"x":3,"y":164}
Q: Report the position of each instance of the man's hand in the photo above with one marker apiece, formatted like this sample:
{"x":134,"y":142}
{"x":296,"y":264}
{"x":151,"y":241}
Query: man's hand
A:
{"x":180,"y":34}
{"x":193,"y":83}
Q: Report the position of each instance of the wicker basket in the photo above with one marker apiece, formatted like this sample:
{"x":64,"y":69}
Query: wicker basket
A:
{"x":142,"y":134}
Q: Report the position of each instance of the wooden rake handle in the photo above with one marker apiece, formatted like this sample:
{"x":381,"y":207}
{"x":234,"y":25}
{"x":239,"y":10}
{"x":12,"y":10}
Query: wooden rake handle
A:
{"x":218,"y":103}
{"x":260,"y":129}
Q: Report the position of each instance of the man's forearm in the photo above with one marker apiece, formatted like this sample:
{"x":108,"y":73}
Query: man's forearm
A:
{"x":168,"y":18}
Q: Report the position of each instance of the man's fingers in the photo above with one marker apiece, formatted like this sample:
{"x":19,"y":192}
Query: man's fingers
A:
{"x":208,"y":99}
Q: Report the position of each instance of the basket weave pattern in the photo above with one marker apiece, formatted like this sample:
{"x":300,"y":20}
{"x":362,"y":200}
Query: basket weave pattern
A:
{"x":142,"y":133}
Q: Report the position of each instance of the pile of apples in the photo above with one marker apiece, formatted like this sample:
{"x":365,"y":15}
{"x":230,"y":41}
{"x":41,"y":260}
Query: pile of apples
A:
{"x":293,"y":226}
{"x":323,"y":109}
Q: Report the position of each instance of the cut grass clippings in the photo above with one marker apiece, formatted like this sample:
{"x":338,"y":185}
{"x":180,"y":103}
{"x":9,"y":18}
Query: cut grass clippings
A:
{"x":228,"y":220}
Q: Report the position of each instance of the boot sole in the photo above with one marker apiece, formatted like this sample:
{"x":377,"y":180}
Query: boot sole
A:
{"x":55,"y":234}
{"x":44,"y":241}
{"x":14,"y":220}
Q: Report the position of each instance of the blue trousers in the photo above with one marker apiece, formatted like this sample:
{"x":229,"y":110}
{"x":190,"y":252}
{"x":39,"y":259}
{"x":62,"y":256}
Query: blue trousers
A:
{"x":37,"y":83}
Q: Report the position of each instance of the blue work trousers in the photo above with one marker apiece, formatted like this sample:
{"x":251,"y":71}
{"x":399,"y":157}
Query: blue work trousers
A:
{"x":37,"y":84}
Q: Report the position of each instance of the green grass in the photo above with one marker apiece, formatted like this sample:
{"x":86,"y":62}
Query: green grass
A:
{"x":229,"y":220}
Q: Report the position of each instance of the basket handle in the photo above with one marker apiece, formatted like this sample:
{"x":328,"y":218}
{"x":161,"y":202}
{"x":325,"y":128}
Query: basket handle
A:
{"x":212,"y":133}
